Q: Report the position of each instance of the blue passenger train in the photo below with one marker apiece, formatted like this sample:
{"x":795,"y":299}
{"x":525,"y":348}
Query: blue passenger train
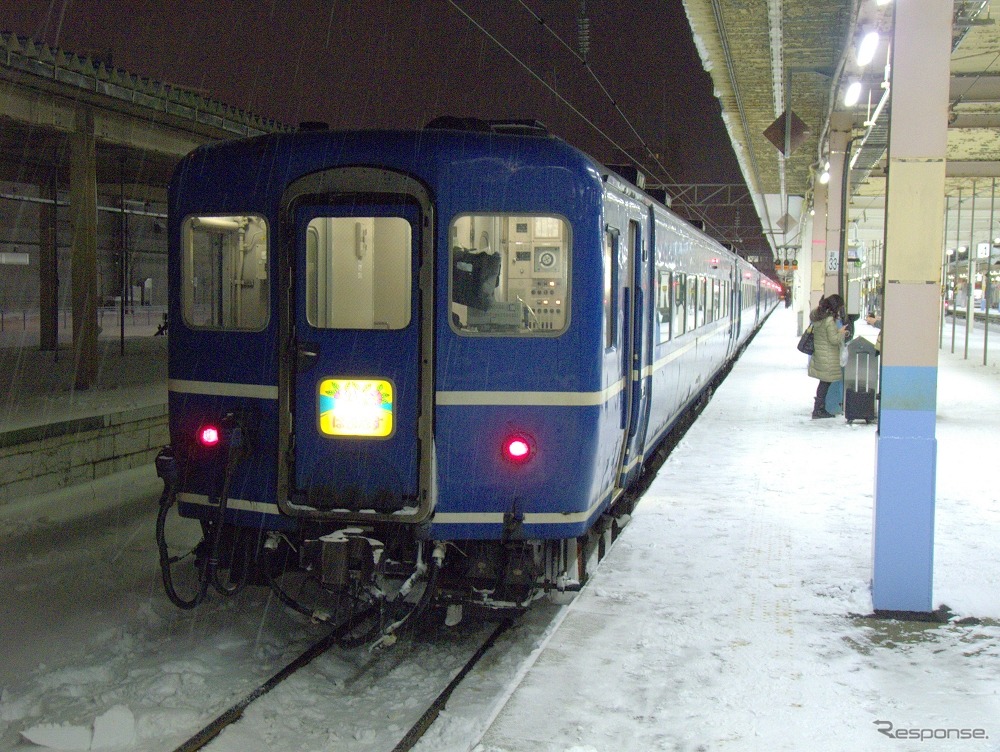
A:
{"x":425,"y":364}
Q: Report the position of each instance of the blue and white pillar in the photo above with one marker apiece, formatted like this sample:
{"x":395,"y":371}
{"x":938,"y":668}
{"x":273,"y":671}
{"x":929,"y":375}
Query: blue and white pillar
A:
{"x":906,"y":453}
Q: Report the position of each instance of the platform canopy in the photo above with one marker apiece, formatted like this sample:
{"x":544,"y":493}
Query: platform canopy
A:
{"x":768,"y":58}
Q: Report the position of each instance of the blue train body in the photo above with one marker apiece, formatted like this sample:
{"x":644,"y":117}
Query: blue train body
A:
{"x":466,"y":339}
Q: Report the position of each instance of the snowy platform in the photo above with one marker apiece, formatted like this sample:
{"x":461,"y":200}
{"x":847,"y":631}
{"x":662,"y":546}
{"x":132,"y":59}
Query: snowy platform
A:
{"x":53,"y":435}
{"x":733,"y":612}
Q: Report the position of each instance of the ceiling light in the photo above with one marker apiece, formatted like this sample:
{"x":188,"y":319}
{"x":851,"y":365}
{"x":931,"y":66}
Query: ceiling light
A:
{"x":867,"y":47}
{"x":853,"y":94}
{"x":824,"y":177}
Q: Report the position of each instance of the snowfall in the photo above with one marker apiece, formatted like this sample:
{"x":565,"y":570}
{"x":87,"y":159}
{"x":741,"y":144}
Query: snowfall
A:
{"x":733,"y":613}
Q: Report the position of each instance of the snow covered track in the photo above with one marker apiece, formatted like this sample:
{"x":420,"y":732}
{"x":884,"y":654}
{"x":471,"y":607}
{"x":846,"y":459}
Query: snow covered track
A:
{"x":206,"y":735}
{"x":233,"y":714}
{"x":418,"y":729}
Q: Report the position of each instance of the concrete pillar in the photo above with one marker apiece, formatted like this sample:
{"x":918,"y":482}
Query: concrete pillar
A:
{"x":83,"y":220}
{"x":834,"y":210}
{"x":817,"y":260}
{"x":906,"y":453}
{"x":48,"y":268}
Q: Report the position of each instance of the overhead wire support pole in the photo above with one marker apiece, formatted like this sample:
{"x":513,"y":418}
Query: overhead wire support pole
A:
{"x":954,"y":264}
{"x":970,"y":286}
{"x":986,"y":277}
{"x":944,"y":272}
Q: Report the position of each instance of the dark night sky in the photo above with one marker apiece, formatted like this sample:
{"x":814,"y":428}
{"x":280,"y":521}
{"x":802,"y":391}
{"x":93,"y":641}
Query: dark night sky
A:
{"x":400,"y":63}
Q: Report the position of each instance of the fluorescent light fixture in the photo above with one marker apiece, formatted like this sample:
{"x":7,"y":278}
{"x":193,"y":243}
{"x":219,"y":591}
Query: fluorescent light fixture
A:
{"x":867,"y":47}
{"x":853,"y":94}
{"x":880,"y":3}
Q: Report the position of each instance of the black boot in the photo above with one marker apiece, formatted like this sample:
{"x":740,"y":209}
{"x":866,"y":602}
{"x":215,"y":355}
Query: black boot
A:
{"x":819,"y":409}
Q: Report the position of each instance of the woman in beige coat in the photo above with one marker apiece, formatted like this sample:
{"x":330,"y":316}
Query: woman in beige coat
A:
{"x":828,"y":338}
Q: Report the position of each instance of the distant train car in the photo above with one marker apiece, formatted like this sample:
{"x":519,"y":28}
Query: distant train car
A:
{"x":426,"y":363}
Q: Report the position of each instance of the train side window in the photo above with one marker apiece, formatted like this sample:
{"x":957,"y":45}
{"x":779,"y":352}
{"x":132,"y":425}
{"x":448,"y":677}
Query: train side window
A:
{"x":692,"y":302}
{"x":664,"y":308}
{"x":679,"y":286}
{"x":717,"y":312}
{"x":224,"y":272}
{"x":709,"y":301}
{"x":358,"y":272}
{"x":703,"y":302}
{"x":610,"y":262}
{"x":509,"y":274}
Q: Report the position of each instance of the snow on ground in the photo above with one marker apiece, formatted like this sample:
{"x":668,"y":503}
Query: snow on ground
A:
{"x":731,"y":613}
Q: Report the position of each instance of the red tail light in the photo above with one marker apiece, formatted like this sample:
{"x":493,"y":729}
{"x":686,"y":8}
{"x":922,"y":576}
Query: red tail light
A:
{"x":208,"y":436}
{"x":518,"y":448}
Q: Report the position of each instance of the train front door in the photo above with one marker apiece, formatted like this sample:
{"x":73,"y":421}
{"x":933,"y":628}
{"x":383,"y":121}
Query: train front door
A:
{"x":358,"y":351}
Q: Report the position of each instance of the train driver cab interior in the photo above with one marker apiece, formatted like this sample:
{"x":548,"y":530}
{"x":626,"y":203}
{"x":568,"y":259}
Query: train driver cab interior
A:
{"x":224,"y":272}
{"x":509,"y":274}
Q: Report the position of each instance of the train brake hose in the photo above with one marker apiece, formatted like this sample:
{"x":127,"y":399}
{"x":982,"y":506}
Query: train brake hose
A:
{"x":391,"y":633}
{"x":167,"y":500}
{"x":208,"y":572}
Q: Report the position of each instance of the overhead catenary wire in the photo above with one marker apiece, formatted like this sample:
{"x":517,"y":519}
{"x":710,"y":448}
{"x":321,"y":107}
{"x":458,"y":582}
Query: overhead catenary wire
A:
{"x":697,"y":210}
{"x":604,"y":90}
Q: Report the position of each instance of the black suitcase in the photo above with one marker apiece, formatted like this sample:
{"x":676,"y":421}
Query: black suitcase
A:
{"x":859,"y":405}
{"x":861,"y":380}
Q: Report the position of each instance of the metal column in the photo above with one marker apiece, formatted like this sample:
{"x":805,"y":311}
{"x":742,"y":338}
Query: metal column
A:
{"x":817,"y":258}
{"x":834,"y":270}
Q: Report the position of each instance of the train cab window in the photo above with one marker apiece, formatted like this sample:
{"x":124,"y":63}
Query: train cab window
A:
{"x":358,"y":272}
{"x":224,"y":272}
{"x":509,"y":274}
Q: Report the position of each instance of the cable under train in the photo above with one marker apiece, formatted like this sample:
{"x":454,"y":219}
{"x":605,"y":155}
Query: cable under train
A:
{"x":424,"y":366}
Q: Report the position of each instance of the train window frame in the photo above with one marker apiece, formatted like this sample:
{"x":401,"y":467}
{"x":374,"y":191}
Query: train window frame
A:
{"x":664,"y":308}
{"x":379,"y":297}
{"x":691,"y":303}
{"x":678,"y":285}
{"x":509,"y":274}
{"x":609,"y":259}
{"x":221,"y":305}
{"x":704,"y":303}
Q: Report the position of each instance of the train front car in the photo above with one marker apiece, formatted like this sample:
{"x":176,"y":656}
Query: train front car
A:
{"x":398,"y":362}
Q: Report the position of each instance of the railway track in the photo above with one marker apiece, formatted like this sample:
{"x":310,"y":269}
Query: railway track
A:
{"x":353,"y":688}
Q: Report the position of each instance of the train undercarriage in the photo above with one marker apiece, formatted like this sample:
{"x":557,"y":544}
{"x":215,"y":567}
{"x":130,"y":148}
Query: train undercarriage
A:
{"x":382,"y":576}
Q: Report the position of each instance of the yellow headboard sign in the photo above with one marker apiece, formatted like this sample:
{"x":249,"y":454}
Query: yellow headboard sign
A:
{"x":355,"y":407}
